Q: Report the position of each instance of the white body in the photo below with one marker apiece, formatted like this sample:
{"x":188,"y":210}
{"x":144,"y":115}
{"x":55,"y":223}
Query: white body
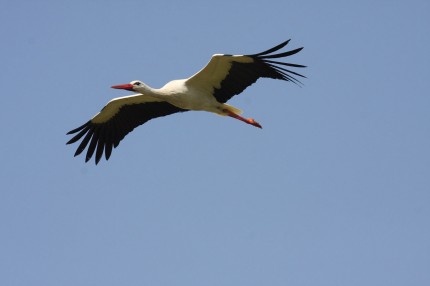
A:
{"x":194,"y":93}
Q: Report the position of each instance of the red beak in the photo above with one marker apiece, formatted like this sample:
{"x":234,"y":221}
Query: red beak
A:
{"x":126,"y":86}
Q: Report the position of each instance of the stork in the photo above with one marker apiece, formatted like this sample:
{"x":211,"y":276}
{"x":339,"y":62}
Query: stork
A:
{"x":208,"y":90}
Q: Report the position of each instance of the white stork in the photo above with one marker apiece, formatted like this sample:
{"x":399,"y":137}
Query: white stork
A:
{"x":208,"y":90}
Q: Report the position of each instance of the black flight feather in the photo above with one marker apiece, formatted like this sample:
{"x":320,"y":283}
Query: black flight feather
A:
{"x":101,"y":137}
{"x":242,"y":75}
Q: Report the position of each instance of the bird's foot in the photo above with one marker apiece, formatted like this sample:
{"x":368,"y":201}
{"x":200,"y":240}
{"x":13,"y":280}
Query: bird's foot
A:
{"x":246,"y":120}
{"x":253,"y":123}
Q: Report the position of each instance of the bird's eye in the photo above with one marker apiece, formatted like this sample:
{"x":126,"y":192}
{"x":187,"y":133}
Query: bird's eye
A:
{"x":137,"y":83}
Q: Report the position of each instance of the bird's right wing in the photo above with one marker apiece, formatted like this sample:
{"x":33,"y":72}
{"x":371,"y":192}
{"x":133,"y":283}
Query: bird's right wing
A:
{"x":228,"y":75}
{"x":119,"y":117}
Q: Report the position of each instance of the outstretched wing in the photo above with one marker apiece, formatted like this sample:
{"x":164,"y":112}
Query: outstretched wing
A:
{"x":228,"y":75}
{"x":118,"y":118}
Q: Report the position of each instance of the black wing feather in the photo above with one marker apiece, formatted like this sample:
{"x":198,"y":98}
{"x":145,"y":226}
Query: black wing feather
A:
{"x":106,"y":135}
{"x":242,"y":75}
{"x":274,"y":49}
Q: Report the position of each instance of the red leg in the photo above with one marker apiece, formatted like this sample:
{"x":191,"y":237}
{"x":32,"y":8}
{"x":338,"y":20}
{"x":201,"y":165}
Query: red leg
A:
{"x":246,"y":120}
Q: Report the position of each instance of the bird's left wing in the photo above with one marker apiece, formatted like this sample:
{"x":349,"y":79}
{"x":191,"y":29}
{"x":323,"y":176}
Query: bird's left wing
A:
{"x":119,"y":117}
{"x":228,"y":75}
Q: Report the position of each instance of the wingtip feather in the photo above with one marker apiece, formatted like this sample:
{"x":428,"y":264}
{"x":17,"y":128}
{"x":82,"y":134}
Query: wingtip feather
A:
{"x":271,"y":50}
{"x":79,"y":128}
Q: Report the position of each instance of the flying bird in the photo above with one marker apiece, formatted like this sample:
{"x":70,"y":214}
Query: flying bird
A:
{"x":208,"y":90}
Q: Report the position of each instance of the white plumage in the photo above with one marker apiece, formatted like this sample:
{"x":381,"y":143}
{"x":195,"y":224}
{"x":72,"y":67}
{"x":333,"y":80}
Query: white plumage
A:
{"x":208,"y":90}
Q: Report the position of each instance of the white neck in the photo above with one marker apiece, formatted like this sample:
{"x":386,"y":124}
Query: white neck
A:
{"x":144,"y":89}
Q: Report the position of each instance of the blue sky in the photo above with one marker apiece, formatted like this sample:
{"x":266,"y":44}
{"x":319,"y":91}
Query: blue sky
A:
{"x":334,"y":190}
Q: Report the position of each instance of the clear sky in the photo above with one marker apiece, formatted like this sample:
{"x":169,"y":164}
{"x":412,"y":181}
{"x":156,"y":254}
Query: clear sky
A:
{"x":334,"y":190}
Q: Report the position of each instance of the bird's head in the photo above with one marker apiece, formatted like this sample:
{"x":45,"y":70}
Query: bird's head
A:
{"x":135,"y":85}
